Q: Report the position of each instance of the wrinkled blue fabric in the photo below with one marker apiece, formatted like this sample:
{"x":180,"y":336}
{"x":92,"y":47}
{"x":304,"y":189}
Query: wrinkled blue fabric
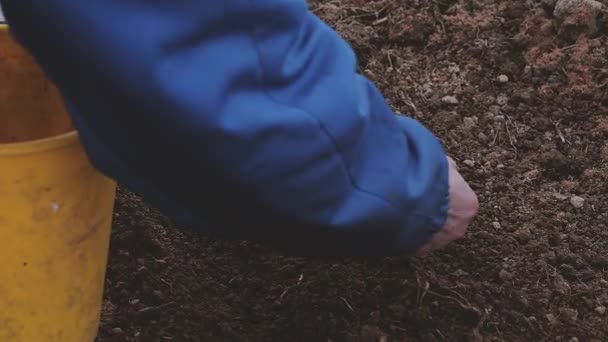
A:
{"x":245,"y":119}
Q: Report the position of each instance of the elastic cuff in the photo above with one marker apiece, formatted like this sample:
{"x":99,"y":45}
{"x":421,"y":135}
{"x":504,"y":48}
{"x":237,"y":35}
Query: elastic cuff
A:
{"x":438,"y":221}
{"x":419,"y":228}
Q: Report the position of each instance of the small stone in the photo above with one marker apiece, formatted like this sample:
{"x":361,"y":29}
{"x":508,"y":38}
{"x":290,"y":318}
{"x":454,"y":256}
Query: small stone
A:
{"x":454,"y":69}
{"x":560,"y":196}
{"x":589,"y":173}
{"x":568,"y":272}
{"x":574,"y":339}
{"x":469,"y":163}
{"x":523,"y":236}
{"x":482,"y":137}
{"x":577,"y":202}
{"x":550,"y":257}
{"x":601,"y":310}
{"x":562,"y":287}
{"x":496,"y":225}
{"x":484,"y":235}
{"x":450,"y":100}
{"x":117,"y":331}
{"x":551,"y":318}
{"x":427,"y":89}
{"x":569,"y":315}
{"x":460,"y":273}
{"x":502,"y":100}
{"x":470,"y":122}
{"x":554,"y":239}
{"x":502,"y":79}
{"x":494,"y":110}
{"x":577,"y":12}
{"x":371,"y":333}
{"x":505,"y":275}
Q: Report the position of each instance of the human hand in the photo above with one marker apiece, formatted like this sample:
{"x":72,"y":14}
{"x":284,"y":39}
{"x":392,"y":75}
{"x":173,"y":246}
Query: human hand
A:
{"x":463,"y":208}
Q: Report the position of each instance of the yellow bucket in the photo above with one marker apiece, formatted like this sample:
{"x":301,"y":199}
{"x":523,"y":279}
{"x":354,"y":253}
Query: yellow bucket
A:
{"x":55,"y":212}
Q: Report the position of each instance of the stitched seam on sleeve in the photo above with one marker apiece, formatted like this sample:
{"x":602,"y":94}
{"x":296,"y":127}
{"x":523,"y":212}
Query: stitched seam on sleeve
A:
{"x":319,"y":123}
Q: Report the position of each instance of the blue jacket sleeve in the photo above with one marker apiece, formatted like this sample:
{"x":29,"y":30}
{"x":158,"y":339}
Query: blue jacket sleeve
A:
{"x":246,"y":119}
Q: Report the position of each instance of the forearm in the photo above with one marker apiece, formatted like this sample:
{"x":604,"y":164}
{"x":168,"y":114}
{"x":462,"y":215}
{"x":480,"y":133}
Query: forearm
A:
{"x":249,"y":114}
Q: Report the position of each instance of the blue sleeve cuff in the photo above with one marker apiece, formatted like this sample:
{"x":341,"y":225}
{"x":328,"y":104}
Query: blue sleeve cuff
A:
{"x":429,"y":219}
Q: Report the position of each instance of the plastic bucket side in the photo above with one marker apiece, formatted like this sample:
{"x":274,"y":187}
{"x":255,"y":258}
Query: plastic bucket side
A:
{"x":55,"y":212}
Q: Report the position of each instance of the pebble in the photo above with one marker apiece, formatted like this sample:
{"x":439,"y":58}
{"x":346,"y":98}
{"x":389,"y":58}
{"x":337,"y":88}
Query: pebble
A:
{"x":574,"y":339}
{"x":502,"y":100}
{"x":505,"y":275}
{"x":551,"y":318}
{"x":503,"y":79}
{"x":554,"y":239}
{"x":470,"y":122}
{"x":117,"y":331}
{"x":601,"y":310}
{"x":559,"y":196}
{"x":450,"y":100}
{"x":568,"y":271}
{"x":496,"y":225}
{"x":482,"y":137}
{"x":523,"y":236}
{"x":569,"y":315}
{"x":469,"y":163}
{"x":484,"y":235}
{"x":562,"y":288}
{"x":586,"y":11}
{"x":461,"y":273}
{"x":577,"y":202}
{"x":454,"y":69}
{"x":495,"y":110}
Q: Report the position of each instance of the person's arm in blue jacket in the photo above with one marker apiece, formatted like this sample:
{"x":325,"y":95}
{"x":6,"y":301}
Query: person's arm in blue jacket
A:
{"x":246,"y":118}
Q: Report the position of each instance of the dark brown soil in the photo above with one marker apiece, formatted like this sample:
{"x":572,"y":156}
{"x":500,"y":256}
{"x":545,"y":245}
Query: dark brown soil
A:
{"x":534,"y":266}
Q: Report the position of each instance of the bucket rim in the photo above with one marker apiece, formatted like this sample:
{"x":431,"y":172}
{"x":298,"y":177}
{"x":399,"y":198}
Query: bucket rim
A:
{"x":36,"y":145}
{"x":39,"y":145}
